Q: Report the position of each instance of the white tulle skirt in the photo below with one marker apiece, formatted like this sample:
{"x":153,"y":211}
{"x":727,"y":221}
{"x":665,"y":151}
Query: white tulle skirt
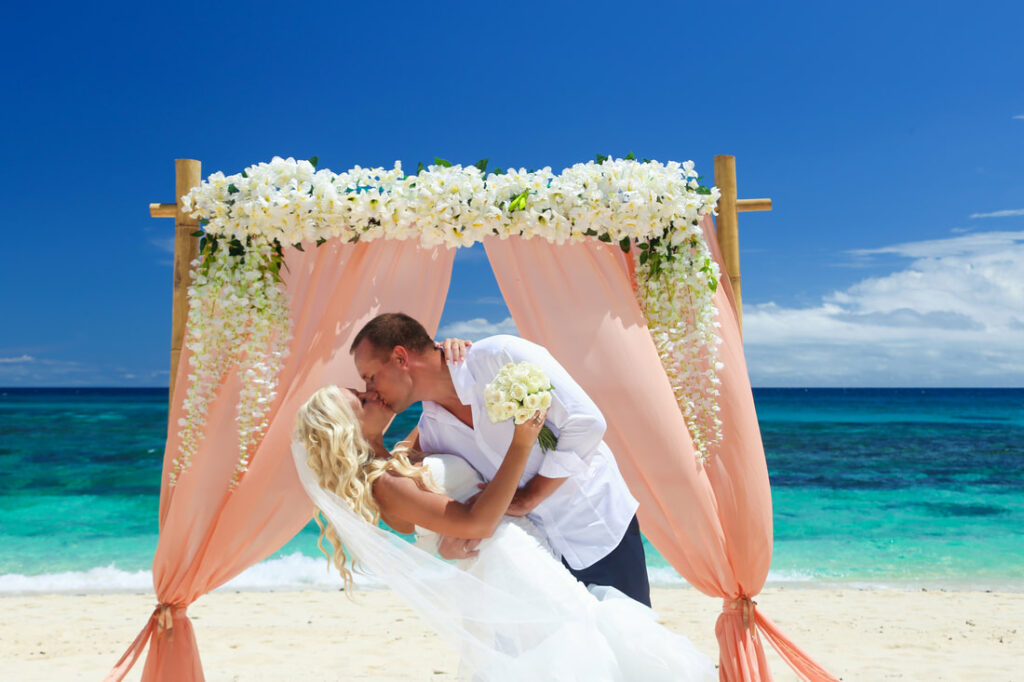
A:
{"x":595,"y":634}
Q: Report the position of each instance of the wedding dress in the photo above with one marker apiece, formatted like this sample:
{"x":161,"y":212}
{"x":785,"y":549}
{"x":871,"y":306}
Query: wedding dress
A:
{"x":513,"y":612}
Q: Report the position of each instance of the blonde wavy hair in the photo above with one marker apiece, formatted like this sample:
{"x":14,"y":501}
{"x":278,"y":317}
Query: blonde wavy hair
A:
{"x":345,"y":464}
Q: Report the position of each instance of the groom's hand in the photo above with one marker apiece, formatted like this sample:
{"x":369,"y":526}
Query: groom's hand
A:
{"x":457,"y":548}
{"x":521,"y":505}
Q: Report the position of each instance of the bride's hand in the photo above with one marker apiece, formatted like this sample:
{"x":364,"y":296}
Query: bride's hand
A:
{"x":526,"y":433}
{"x":454,"y":349}
{"x":457,"y":548}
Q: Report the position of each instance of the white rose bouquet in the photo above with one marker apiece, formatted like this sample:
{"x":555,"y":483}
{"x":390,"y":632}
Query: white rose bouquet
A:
{"x":517,"y":393}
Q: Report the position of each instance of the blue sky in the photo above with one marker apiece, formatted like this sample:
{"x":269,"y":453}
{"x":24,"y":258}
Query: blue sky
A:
{"x":889,"y":136}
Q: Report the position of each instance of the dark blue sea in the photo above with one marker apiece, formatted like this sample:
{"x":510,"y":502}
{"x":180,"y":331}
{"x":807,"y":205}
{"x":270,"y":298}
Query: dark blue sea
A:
{"x":871,"y":487}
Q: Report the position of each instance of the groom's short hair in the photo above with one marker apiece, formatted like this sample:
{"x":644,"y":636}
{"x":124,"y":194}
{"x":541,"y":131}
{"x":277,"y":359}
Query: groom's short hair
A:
{"x":388,"y":330}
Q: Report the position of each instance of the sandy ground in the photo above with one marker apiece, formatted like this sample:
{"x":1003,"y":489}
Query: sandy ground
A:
{"x":319,"y":635}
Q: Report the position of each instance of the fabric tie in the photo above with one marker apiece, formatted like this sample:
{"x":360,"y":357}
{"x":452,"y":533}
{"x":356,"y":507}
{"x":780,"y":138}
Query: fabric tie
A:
{"x":164,"y":615}
{"x":744,"y":604}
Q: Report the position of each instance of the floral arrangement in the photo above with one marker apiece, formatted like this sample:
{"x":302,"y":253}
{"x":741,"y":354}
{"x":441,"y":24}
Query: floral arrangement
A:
{"x":673,"y":292}
{"x":223,"y":331}
{"x":237,"y":307}
{"x":516,"y":393}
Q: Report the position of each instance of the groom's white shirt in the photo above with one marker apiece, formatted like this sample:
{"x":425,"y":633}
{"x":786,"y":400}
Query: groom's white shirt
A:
{"x":586,"y":517}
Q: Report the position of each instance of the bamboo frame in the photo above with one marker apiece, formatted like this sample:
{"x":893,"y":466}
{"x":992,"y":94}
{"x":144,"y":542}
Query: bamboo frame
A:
{"x":188,"y":174}
{"x":727,"y":225}
{"x":163,"y":210}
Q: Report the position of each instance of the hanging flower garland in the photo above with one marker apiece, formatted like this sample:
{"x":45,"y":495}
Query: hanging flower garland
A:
{"x":238,"y":315}
{"x":673,"y":285}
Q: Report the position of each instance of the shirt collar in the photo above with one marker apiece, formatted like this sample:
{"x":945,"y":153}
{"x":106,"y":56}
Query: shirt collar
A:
{"x":464,"y":382}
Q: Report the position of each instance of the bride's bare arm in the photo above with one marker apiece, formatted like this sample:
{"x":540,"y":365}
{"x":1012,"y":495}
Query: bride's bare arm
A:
{"x":401,"y":498}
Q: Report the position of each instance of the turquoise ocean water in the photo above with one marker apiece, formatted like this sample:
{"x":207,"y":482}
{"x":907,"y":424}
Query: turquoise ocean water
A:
{"x":874,"y":487}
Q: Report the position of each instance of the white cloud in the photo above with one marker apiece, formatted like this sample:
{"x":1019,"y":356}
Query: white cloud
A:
{"x":163,"y":243}
{"x":953,"y":316}
{"x":1019,"y":116}
{"x":18,"y":360}
{"x":999,"y":214}
{"x":477,"y":328}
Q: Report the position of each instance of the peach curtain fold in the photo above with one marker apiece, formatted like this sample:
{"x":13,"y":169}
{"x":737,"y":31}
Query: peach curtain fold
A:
{"x":209,"y":535}
{"x":713,"y":523}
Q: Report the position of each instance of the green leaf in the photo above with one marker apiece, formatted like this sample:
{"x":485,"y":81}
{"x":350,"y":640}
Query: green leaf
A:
{"x":498,"y":171}
{"x":643,"y":257}
{"x":320,"y":241}
{"x":232,"y":189}
{"x":420,"y":168}
{"x":547,"y":439}
{"x":482,"y":165}
{"x":518,"y":202}
{"x":631,"y":157}
{"x":197,"y":233}
{"x":643,"y":246}
{"x":601,"y":158}
{"x":605,"y":238}
{"x":646,"y":160}
{"x":298,"y":247}
{"x":314,"y":160}
{"x":591,"y":232}
{"x":244,"y":174}
{"x":442,"y":162}
{"x":624,"y":244}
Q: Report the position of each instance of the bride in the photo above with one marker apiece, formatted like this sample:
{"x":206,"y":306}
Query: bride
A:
{"x":513,"y":612}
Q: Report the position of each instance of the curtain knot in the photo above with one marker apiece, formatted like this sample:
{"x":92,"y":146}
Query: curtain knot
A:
{"x":745,"y":605}
{"x":164,"y":615}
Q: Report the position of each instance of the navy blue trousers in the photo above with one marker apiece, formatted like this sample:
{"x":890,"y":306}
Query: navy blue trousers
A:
{"x":624,"y":568}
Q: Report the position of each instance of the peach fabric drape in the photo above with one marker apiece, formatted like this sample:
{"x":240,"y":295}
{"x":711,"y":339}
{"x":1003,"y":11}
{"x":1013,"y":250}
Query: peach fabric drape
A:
{"x":713,"y":523}
{"x":209,"y":535}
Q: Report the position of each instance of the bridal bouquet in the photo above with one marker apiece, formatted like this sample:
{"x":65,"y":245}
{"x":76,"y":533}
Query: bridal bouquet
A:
{"x":517,"y":392}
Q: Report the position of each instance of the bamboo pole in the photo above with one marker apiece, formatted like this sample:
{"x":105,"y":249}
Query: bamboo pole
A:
{"x":728,"y":226}
{"x":187,"y":174}
{"x":163,"y":210}
{"x":743,"y":205}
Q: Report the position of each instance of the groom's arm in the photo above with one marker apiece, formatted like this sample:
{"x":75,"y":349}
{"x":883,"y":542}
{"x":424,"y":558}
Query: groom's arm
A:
{"x":526,"y":499}
{"x":536,"y":490}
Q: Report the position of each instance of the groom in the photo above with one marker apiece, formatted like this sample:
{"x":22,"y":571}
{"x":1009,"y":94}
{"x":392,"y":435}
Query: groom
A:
{"x":574,"y":494}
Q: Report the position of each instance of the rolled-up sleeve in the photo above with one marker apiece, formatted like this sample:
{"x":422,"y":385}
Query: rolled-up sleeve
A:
{"x":579,"y":430}
{"x":575,"y":418}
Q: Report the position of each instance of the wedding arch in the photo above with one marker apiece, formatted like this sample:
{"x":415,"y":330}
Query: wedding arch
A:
{"x":277,"y":268}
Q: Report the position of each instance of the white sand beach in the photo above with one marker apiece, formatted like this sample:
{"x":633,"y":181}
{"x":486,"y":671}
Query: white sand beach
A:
{"x":322,"y":635}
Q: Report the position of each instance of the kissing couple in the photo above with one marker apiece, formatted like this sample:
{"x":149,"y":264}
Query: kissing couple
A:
{"x":549,"y":580}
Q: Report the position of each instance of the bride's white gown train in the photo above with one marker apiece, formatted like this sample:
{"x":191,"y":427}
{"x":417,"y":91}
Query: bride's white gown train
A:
{"x":514,"y":613}
{"x":596,"y":634}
